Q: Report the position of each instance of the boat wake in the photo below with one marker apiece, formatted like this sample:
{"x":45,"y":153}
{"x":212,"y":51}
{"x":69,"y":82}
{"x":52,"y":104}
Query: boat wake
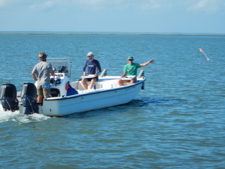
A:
{"x":135,"y":103}
{"x":21,"y":118}
{"x":145,"y":101}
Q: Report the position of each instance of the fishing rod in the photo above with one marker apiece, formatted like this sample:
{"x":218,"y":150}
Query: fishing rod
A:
{"x":200,"y":49}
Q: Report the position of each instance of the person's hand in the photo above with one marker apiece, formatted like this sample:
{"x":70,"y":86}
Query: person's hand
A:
{"x":84,"y":73}
{"x":150,"y":61}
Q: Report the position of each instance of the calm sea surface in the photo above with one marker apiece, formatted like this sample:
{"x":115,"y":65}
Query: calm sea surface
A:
{"x":178,"y":121}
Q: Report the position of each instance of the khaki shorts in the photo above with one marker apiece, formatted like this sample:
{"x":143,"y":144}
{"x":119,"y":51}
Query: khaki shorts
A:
{"x":41,"y":91}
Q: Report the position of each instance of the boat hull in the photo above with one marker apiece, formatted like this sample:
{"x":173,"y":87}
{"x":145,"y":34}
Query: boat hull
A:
{"x":90,"y":101}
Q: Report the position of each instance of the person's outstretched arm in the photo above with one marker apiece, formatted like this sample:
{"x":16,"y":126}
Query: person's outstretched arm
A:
{"x":145,"y":64}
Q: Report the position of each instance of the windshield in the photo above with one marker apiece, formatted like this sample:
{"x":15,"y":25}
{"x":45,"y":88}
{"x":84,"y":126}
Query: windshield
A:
{"x":60,"y":65}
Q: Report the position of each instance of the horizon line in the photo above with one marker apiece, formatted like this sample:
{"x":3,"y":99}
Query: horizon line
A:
{"x":108,"y":33}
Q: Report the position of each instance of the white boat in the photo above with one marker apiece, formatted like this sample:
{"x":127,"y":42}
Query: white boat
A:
{"x":106,"y":93}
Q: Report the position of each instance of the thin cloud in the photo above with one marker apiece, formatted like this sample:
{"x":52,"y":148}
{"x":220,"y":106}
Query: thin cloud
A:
{"x":43,"y":5}
{"x":5,"y":3}
{"x":151,"y":4}
{"x":210,"y":6}
{"x":29,"y":4}
{"x":103,"y":4}
{"x":13,"y":3}
{"x":48,"y":4}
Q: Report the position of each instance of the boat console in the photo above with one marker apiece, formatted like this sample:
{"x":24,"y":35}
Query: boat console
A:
{"x":62,"y":71}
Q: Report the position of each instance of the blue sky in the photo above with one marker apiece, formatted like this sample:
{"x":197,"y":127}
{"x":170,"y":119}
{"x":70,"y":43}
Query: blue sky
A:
{"x":132,"y":16}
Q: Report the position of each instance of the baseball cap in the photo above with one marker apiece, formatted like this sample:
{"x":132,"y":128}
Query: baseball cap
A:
{"x":130,"y":58}
{"x":42,"y":55}
{"x":90,"y":54}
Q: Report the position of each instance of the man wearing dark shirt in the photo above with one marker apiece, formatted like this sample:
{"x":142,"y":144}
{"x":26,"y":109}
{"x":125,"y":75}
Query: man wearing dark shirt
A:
{"x":93,"y":68}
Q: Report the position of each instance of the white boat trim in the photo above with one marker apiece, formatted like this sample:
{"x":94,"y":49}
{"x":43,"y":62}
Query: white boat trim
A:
{"x":93,"y":92}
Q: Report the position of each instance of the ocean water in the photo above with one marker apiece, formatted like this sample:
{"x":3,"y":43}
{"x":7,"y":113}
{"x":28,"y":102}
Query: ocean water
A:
{"x":178,"y":121}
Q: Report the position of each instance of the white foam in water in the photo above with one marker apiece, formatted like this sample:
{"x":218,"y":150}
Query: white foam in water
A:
{"x":21,"y":118}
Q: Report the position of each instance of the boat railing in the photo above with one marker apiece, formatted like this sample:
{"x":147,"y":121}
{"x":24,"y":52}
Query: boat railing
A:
{"x":103,"y":73}
{"x":141,"y":74}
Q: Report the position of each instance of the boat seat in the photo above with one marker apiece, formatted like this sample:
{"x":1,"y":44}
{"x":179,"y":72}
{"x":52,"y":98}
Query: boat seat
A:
{"x":107,"y":86}
{"x":54,"y":92}
{"x":98,"y":85}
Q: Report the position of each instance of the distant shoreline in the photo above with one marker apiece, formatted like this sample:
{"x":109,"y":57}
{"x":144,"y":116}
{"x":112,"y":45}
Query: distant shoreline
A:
{"x":71,"y":33}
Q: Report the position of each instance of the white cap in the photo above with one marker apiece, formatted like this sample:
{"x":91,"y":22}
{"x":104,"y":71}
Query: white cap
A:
{"x":90,"y":54}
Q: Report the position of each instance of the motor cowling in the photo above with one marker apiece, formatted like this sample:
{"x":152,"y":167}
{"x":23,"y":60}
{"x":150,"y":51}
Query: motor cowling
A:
{"x":8,"y":97}
{"x":29,"y":98}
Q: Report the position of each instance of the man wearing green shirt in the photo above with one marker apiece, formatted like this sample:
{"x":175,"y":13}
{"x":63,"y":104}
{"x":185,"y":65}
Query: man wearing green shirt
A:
{"x":130,"y":69}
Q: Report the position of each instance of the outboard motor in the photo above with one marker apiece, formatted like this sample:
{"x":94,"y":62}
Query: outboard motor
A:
{"x":8,"y":97}
{"x":29,"y":98}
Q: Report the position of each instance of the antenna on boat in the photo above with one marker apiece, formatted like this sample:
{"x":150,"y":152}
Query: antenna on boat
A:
{"x":70,"y":69}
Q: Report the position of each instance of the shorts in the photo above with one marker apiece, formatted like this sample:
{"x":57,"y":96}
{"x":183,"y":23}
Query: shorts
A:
{"x":42,"y":91}
{"x":96,"y":78}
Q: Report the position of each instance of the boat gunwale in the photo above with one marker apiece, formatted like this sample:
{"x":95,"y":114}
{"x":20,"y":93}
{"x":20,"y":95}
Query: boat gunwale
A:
{"x":94,"y":92}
